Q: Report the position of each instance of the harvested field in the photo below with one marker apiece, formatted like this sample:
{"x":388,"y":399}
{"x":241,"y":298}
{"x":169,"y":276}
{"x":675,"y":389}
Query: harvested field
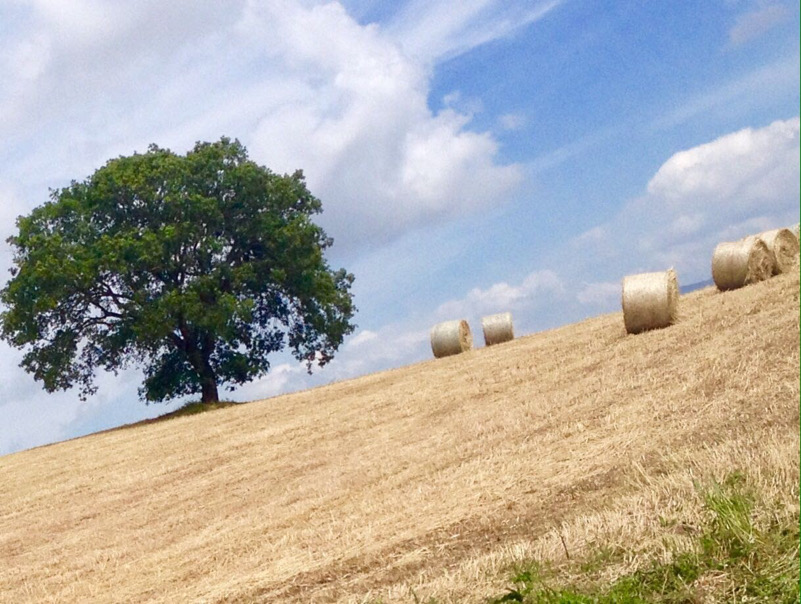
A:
{"x":425,"y":481}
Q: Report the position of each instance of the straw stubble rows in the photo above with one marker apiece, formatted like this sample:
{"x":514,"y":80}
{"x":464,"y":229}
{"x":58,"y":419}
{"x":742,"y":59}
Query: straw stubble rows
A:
{"x":433,"y":477}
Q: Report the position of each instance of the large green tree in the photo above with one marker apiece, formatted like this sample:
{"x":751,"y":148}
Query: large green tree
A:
{"x":195,"y":267}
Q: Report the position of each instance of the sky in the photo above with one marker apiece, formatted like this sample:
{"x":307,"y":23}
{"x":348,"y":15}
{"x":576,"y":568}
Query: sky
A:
{"x":472,"y":157}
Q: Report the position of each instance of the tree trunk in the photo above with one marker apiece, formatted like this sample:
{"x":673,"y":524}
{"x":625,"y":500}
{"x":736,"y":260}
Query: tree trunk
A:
{"x":208,"y":379}
{"x":199,"y":357}
{"x":209,"y":385}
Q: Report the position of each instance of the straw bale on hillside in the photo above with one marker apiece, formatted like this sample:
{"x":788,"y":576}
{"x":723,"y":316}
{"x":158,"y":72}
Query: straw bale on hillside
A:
{"x":783,"y":247}
{"x":451,"y":337}
{"x":739,"y":263}
{"x":650,"y":300}
{"x":497,"y":328}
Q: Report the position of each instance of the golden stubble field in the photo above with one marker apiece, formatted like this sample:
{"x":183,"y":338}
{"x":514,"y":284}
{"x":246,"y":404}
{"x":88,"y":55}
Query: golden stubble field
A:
{"x":424,"y":481}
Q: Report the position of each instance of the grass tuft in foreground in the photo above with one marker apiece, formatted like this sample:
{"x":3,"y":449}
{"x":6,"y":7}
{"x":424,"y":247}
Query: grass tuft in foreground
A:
{"x":744,"y":552}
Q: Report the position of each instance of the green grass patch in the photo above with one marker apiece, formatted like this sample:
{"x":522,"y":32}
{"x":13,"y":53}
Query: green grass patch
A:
{"x":192,"y":408}
{"x":197,"y":407}
{"x":734,"y":559}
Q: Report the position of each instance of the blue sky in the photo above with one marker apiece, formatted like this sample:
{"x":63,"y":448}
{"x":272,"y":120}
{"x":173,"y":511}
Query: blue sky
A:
{"x":473,"y":157}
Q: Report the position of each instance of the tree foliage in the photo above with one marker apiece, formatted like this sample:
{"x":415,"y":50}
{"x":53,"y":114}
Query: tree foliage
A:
{"x":195,"y":267}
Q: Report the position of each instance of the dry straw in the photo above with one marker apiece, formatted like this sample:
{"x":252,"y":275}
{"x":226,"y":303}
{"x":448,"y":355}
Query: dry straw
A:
{"x":450,"y":337}
{"x":739,"y":263}
{"x":783,"y":247}
{"x":794,"y":230}
{"x":497,"y":328}
{"x":650,"y":300}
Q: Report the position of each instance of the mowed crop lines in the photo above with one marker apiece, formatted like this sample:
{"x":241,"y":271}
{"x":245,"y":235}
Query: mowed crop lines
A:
{"x":430,"y":477}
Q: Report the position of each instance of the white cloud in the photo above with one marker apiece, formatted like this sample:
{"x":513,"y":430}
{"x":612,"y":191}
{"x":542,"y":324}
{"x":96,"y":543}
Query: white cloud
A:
{"x":735,"y":173}
{"x":603,"y":294}
{"x":512,"y":121}
{"x":751,"y":25}
{"x":686,"y":225}
{"x":502,"y":297}
{"x":467,"y":106}
{"x":302,"y":84}
{"x":369,"y":351}
{"x":595,"y":234}
{"x":21,"y":429}
{"x":361,"y":338}
{"x":359,"y":124}
{"x":389,"y":346}
{"x":96,"y":51}
{"x":32,"y":418}
{"x":282,"y":378}
{"x":10,"y":208}
{"x":433,"y":30}
{"x":737,"y":184}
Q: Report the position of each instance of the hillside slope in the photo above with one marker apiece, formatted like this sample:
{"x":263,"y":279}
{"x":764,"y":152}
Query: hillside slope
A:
{"x":432,"y":478}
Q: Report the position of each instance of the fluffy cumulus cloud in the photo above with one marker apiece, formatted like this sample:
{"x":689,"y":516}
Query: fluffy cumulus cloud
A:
{"x":359,"y":123}
{"x":535,"y":302}
{"x":389,"y":346}
{"x":302,"y":84}
{"x":723,"y":188}
{"x":736,"y":174}
{"x":737,"y":184}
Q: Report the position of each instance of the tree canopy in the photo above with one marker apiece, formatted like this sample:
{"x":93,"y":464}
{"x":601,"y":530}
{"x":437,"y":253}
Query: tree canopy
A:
{"x":195,"y":267}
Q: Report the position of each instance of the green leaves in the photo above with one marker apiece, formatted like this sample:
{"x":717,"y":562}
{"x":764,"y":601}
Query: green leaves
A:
{"x":196,"y":267}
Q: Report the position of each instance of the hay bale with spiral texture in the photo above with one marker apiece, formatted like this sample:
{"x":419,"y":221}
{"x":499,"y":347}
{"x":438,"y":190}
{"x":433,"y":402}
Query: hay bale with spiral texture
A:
{"x":450,"y":337}
{"x":650,"y":300}
{"x":783,"y":247}
{"x":739,"y":263}
{"x":497,"y":328}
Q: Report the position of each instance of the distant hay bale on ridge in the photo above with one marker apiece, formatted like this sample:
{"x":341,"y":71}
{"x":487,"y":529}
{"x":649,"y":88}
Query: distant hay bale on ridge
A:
{"x":783,"y":247}
{"x":739,"y":263}
{"x":650,"y":300}
{"x":450,"y":337}
{"x":497,"y":328}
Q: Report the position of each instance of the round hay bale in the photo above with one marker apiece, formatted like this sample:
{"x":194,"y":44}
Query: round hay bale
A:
{"x":794,"y":230}
{"x":783,"y":247}
{"x":450,"y":337}
{"x":739,"y":263}
{"x":650,"y":300}
{"x":497,"y":328}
